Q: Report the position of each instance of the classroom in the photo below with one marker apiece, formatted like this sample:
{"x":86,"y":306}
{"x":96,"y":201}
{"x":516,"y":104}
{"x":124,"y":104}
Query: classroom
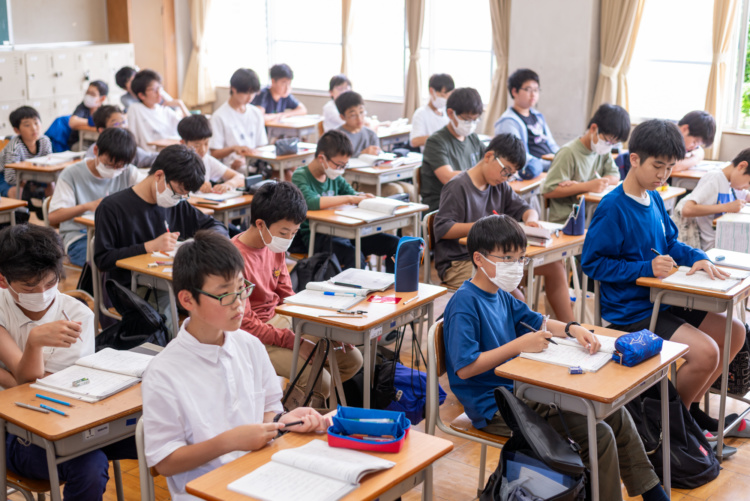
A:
{"x":360,"y":250}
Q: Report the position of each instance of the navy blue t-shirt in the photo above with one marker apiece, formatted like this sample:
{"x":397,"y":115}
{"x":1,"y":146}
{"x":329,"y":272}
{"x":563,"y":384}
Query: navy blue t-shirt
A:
{"x":265,"y":101}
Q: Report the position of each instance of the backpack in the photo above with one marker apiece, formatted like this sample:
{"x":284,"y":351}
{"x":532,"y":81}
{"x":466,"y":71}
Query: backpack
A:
{"x":140,"y":323}
{"x":738,"y":378}
{"x":693,"y":461}
{"x":316,"y":268}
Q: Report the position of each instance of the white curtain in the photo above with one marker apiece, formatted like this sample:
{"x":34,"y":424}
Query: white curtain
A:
{"x":623,"y":98}
{"x":414,"y":27}
{"x":198,"y":89}
{"x":500,"y":15}
{"x":346,"y":30}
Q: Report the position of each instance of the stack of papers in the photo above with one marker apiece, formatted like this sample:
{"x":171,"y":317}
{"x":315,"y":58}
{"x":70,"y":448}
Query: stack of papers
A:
{"x":218,"y":197}
{"x":708,"y":165}
{"x":364,"y":279}
{"x":319,"y":299}
{"x":57,"y":158}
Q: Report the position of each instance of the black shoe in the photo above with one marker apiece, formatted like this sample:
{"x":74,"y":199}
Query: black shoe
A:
{"x":726,"y":451}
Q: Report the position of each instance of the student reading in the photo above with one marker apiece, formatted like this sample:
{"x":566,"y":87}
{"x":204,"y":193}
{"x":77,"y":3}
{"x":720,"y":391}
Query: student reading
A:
{"x":148,"y":119}
{"x":28,"y":142}
{"x":216,"y":377}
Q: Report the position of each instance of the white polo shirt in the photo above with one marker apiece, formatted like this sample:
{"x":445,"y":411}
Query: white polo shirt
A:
{"x":426,"y":122}
{"x":214,"y":168}
{"x":193,"y":392}
{"x":150,"y":124}
{"x":19,"y":326}
{"x":331,"y":117}
{"x":232,"y":128}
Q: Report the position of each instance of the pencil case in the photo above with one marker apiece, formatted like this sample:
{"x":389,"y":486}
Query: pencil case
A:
{"x":408,"y":257}
{"x":348,"y":421}
{"x":576,"y":223}
{"x":286,"y":146}
{"x":632,"y":349}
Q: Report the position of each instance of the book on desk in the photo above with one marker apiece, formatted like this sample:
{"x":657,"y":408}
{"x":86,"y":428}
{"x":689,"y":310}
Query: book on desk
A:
{"x":56,"y":158}
{"x":218,"y":197}
{"x":342,"y":291}
{"x":372,"y":209}
{"x":569,"y":353}
{"x":384,"y":159}
{"x":701,"y":279}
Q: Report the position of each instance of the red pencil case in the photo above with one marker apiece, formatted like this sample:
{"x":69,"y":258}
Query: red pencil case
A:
{"x":349,"y":421}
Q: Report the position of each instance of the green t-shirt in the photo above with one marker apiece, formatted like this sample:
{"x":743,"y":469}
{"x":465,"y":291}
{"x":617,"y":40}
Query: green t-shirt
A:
{"x":312,"y":190}
{"x":574,"y":162}
{"x":442,"y":148}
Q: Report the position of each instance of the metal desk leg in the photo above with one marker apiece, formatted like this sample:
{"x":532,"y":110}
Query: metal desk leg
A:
{"x":416,"y":226}
{"x":530,"y":284}
{"x":368,"y":369}
{"x":311,"y":247}
{"x":295,"y":350}
{"x":427,"y":487}
{"x":665,"y":434}
{"x":726,"y":355}
{"x":336,"y":384}
{"x":378,"y":187}
{"x":54,"y":480}
{"x":173,"y":309}
{"x":13,"y":218}
{"x":357,"y":248}
{"x":593,"y":452}
{"x":582,"y":297}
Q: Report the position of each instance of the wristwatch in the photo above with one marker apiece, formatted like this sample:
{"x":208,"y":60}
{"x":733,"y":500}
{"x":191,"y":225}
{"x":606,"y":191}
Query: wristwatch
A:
{"x":567,"y":328}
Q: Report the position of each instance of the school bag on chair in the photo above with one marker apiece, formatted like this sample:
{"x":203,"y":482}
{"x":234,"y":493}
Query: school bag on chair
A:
{"x":317,"y":268}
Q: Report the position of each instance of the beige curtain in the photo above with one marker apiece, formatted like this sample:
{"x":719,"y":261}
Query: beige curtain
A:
{"x":346,"y":30}
{"x":198,"y":89}
{"x":414,"y":25}
{"x":725,"y":16}
{"x":623,"y":99}
{"x":500,"y":15}
{"x":616,"y":25}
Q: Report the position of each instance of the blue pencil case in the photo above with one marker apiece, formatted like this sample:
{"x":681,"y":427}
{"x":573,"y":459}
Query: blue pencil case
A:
{"x":632,"y":349}
{"x":368,"y":429}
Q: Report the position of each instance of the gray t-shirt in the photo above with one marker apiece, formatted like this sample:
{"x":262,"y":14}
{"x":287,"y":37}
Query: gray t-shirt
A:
{"x":362,"y":139}
{"x":442,"y":148}
{"x":462,"y":202}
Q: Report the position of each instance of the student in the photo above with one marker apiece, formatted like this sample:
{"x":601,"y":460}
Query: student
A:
{"x":323,"y":188}
{"x":124,"y":79}
{"x":29,"y":142}
{"x":148,"y":119}
{"x":483,"y":329}
{"x":82,"y":186}
{"x":82,"y":117}
{"x":112,"y":116}
{"x":627,"y":225}
{"x":585,"y":164}
{"x":525,"y":122}
{"x":195,"y":132}
{"x":331,"y":116}
{"x":454,"y":148}
{"x":276,"y":101}
{"x":717,"y":192}
{"x":214,"y":375}
{"x":478,"y":192}
{"x":276,"y":213}
{"x":431,"y":117}
{"x":698,"y":129}
{"x":352,"y":111}
{"x":237,"y":126}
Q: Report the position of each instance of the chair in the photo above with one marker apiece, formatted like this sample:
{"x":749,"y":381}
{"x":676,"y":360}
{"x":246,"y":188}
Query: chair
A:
{"x":428,"y":224}
{"x":45,"y":210}
{"x":321,"y":130}
{"x":145,"y":473}
{"x":461,"y":426}
{"x":96,"y":277}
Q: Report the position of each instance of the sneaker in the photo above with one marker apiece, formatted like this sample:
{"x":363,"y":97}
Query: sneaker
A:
{"x":742,"y":430}
{"x":726,"y":451}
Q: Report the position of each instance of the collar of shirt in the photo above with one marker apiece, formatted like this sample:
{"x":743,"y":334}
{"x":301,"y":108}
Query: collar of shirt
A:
{"x":210,"y":352}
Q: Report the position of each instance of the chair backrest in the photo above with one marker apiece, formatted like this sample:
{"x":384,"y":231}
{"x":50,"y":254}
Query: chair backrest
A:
{"x":427,"y":224}
{"x":321,"y":130}
{"x":145,"y":473}
{"x":45,"y":211}
{"x":417,"y":180}
{"x":430,"y":225}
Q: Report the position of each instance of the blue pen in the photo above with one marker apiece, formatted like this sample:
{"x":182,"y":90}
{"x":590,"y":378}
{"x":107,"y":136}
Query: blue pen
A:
{"x":52,"y":409}
{"x":329,"y":293}
{"x":53,"y":400}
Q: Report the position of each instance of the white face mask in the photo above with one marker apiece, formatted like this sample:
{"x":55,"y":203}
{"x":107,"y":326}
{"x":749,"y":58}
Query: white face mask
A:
{"x":165,"y":198}
{"x":36,"y":301}
{"x":90,"y":101}
{"x":332,"y":173}
{"x":277,"y":244}
{"x":601,"y":147}
{"x":465,"y":127}
{"x":507,"y":275}
{"x":108,"y":172}
{"x":438,"y":102}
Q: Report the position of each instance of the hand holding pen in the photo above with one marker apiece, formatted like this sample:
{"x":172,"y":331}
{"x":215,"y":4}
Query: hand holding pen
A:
{"x":662,"y":264}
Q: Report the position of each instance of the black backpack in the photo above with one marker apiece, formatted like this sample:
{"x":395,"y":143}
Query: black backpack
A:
{"x":693,"y":461}
{"x":140,"y":323}
{"x":316,"y":268}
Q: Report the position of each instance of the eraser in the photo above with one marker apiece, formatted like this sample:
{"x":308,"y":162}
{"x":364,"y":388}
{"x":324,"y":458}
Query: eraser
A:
{"x":575,"y":370}
{"x":720,"y":258}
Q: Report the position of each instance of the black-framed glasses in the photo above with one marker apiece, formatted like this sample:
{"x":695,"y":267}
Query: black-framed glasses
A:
{"x":531,"y":90}
{"x":337,"y":165}
{"x":506,"y":172}
{"x":175,"y":195}
{"x":230,"y":297}
{"x":508,"y":259}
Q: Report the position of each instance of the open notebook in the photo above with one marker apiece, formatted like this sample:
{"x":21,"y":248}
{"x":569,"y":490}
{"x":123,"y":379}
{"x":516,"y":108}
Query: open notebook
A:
{"x":701,"y":279}
{"x":57,"y":158}
{"x":218,"y":197}
{"x":371,"y":209}
{"x":318,"y":299}
{"x":313,"y":472}
{"x":568,"y":353}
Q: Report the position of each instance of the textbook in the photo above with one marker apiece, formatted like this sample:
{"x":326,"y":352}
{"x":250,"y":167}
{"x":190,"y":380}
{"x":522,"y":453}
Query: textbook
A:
{"x":318,"y":299}
{"x":329,"y":286}
{"x":56,"y":158}
{"x":374,"y":208}
{"x":385,"y":160}
{"x":730,"y":259}
{"x":701,"y":279}
{"x":218,"y":197}
{"x":569,"y":353}
{"x":540,"y":237}
{"x":708,"y":165}
{"x":108,"y":372}
{"x":364,"y":279}
{"x":313,"y":472}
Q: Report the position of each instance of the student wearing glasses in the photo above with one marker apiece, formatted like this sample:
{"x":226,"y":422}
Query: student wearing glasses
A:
{"x":152,"y":215}
{"x":481,"y":191}
{"x":148,"y":119}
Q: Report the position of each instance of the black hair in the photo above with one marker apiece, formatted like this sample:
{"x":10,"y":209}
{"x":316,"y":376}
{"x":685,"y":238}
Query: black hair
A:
{"x":19,"y":114}
{"x":510,"y":148}
{"x":141,"y":81}
{"x":123,"y":75}
{"x":337,"y":80}
{"x":118,"y":144}
{"x":520,"y":77}
{"x":657,"y":138}
{"x":612,"y":120}
{"x":245,"y":81}
{"x":465,"y":100}
{"x":278,"y":71}
{"x":181,"y":164}
{"x":209,"y":253}
{"x":743,"y":156}
{"x":276,"y":201}
{"x":28,"y":252}
{"x":333,"y":143}
{"x":347,"y":100}
{"x":102,"y":87}
{"x":442,"y":82}
{"x":700,"y":124}
{"x":194,"y":128}
{"x":495,"y":232}
{"x":102,"y":114}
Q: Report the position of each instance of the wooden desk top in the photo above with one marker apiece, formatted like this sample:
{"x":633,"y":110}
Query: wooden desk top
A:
{"x":606,"y":385}
{"x":11,"y":204}
{"x":697,"y":173}
{"x":548,"y":156}
{"x":557,"y":243}
{"x":743,"y":288}
{"x":377,"y":312}
{"x":671,"y":192}
{"x":81,"y":415}
{"x":164,"y":142}
{"x":297,"y":122}
{"x":30,"y":167}
{"x":87,"y":221}
{"x":526,"y":185}
{"x":330,"y":216}
{"x":418,"y":452}
{"x":232,"y":203}
{"x":140,"y":264}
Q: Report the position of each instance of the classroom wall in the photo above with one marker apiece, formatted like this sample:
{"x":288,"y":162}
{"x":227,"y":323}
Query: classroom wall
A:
{"x":55,"y":21}
{"x":184,"y":38}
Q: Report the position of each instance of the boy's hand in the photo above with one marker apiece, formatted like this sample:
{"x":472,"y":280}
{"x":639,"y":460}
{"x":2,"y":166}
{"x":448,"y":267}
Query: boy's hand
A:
{"x":734,"y":206}
{"x":371,"y":150}
{"x":585,"y":338}
{"x":709,"y":268}
{"x":222,"y":188}
{"x":163,"y":243}
{"x":356,"y":199}
{"x":206,"y":187}
{"x":597,"y":185}
{"x":313,"y":421}
{"x":238,"y":164}
{"x":533,"y":224}
{"x":58,"y":334}
{"x":534,"y":342}
{"x":662,"y":266}
{"x":243,"y":150}
{"x":251,"y":437}
{"x":92,"y":205}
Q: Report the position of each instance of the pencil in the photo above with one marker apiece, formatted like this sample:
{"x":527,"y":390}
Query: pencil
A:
{"x":31,"y":407}
{"x":534,"y":330}
{"x":660,"y":254}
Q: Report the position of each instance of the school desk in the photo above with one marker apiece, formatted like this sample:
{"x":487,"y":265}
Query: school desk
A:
{"x":531,"y":191}
{"x":704,"y":300}
{"x":381,"y":318}
{"x":379,"y":175}
{"x":669,"y":197}
{"x":227,"y":210}
{"x":389,"y":136}
{"x":86,"y":138}
{"x":413,"y":466}
{"x":596,"y":394}
{"x":87,"y":428}
{"x":304,"y":156}
{"x":689,"y":178}
{"x":8,"y":208}
{"x":302,"y":126}
{"x":27,"y":171}
{"x":160,"y":144}
{"x":327,"y":222}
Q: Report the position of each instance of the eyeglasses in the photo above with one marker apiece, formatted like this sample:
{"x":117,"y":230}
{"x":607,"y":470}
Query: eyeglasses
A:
{"x":230,"y":297}
{"x":606,"y":141}
{"x":175,"y":195}
{"x":531,"y":90}
{"x":506,"y":172}
{"x":507,"y":259}
{"x":337,"y":165}
{"x":122,"y":124}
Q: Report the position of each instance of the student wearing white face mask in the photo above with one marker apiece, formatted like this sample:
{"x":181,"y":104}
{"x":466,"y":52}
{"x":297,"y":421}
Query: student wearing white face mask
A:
{"x":83,"y":185}
{"x":586,"y":164}
{"x":82,"y":117}
{"x":432,"y":117}
{"x":277,"y":211}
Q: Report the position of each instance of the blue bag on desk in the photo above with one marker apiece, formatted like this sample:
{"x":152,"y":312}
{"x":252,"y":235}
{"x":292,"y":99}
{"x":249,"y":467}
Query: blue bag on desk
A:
{"x":576,"y":224}
{"x":408,"y":257}
{"x":634,"y":348}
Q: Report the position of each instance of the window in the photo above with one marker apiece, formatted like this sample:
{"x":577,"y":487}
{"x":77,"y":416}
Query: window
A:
{"x":742,"y":108}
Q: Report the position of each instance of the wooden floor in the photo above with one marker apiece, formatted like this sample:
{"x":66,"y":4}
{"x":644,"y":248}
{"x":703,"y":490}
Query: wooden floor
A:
{"x":456,"y":475}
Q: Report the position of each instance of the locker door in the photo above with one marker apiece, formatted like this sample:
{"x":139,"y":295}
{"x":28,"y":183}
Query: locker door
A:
{"x":12,"y":76}
{"x":39,"y":79}
{"x":5,"y":108}
{"x":92,"y":65}
{"x":68,"y":77}
{"x":46,"y":109}
{"x":65,"y":105}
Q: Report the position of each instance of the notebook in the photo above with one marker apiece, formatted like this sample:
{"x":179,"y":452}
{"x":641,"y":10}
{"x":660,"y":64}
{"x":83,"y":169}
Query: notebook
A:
{"x":218,"y":197}
{"x":313,"y":472}
{"x":364,"y":279}
{"x":318,"y":299}
{"x":568,"y":355}
{"x":56,"y":158}
{"x":371,"y":209}
{"x":607,"y":343}
{"x":700,"y":279}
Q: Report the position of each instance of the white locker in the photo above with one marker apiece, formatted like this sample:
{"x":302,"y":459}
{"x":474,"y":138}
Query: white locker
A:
{"x":68,"y":76}
{"x":39,"y":75}
{"x":12,"y":76}
{"x":46,"y":108}
{"x":65,"y":105}
{"x":117,"y":56}
{"x":5,"y":108}
{"x":92,"y":65}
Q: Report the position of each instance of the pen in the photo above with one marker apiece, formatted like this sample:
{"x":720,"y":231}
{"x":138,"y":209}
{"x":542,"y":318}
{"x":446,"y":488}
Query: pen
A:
{"x":166,"y":225}
{"x":329,"y":293}
{"x":660,"y":254}
{"x":534,"y":330}
{"x":53,"y":400}
{"x":412,"y":299}
{"x":347,"y":285}
{"x":31,"y":407}
{"x":66,"y":316}
{"x":295,"y":423}
{"x":52,"y":409}
{"x":353,"y":312}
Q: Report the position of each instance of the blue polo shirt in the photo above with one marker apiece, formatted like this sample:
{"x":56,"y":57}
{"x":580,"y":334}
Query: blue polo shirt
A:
{"x":265,"y":101}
